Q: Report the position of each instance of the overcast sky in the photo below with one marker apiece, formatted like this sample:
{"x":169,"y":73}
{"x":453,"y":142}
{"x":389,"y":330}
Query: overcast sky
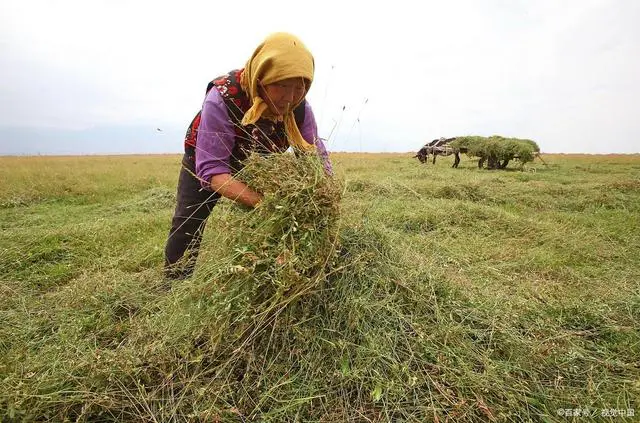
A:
{"x":564,"y":73}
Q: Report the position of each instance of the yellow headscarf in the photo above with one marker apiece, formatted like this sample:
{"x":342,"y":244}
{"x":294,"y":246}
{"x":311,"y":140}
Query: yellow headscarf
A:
{"x":280,"y":56}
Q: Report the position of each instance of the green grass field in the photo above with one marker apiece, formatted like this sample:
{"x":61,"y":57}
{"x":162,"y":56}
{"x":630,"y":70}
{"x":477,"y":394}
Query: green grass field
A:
{"x":532,"y":279}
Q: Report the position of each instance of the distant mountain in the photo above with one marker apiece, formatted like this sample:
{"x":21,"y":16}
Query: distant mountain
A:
{"x":97,"y":140}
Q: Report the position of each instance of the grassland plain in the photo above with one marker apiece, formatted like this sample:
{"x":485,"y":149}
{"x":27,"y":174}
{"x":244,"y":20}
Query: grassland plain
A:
{"x":539,"y":272}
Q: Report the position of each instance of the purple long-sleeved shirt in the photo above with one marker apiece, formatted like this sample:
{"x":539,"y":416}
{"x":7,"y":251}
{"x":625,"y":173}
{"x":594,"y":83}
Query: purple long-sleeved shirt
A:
{"x":216,"y":138}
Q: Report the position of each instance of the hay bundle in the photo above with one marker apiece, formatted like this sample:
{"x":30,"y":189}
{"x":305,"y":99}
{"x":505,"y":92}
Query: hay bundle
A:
{"x":284,"y":246}
{"x":497,"y":149}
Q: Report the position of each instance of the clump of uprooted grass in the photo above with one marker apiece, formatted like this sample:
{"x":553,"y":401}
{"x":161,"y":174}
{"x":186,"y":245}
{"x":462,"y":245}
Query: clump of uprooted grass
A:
{"x":300,"y":317}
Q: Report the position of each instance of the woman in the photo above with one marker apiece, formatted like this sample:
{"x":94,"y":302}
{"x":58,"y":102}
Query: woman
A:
{"x":260,"y":108}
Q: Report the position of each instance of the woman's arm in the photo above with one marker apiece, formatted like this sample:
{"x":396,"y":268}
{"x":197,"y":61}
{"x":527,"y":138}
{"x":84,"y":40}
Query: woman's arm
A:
{"x":233,"y":189}
{"x":216,"y":139}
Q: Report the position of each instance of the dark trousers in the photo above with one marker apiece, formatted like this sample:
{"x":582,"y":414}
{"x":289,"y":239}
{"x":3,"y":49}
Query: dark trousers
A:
{"x":194,"y":205}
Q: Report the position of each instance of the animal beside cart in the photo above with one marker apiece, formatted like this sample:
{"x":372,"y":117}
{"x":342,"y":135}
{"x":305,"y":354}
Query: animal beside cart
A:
{"x":440,"y":147}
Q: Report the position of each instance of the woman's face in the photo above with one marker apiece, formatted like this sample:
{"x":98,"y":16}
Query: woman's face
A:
{"x":281,"y":95}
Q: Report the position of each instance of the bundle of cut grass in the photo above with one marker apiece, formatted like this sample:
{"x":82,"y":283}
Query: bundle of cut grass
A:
{"x":280,"y":250}
{"x":498,"y":151}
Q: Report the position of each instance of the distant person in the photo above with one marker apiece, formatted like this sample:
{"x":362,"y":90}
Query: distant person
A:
{"x":260,"y":108}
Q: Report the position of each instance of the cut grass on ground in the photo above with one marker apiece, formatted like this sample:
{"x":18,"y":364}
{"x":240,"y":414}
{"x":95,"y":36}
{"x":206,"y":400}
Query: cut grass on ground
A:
{"x":464,"y":294}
